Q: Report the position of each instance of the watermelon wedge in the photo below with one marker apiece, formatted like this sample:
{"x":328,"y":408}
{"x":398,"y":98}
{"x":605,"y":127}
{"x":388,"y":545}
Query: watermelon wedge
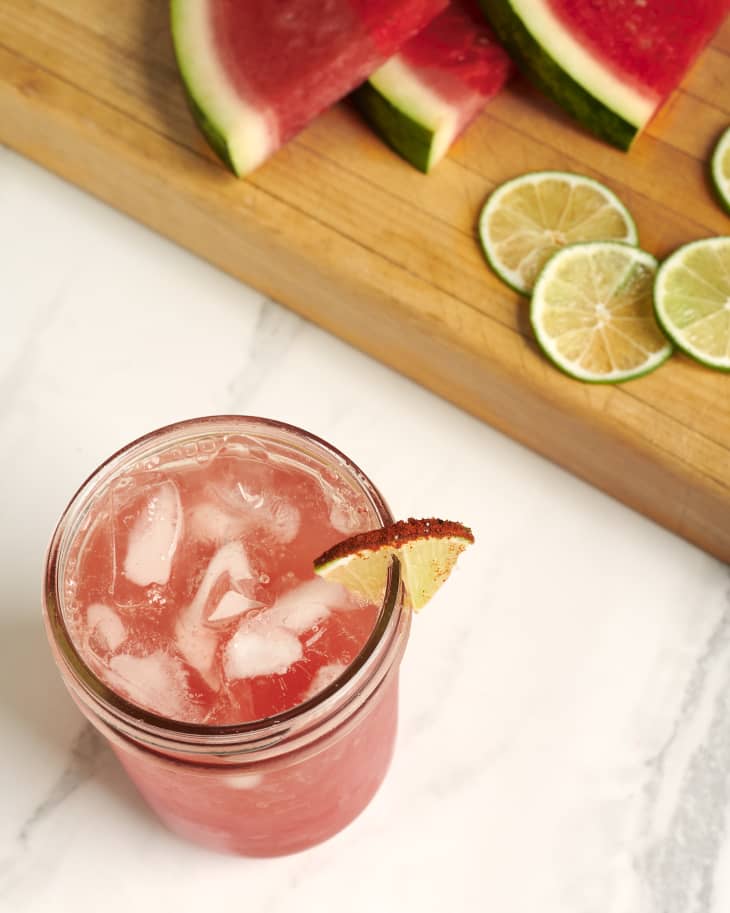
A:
{"x":610,"y":63}
{"x":257,"y":71}
{"x":428,"y":93}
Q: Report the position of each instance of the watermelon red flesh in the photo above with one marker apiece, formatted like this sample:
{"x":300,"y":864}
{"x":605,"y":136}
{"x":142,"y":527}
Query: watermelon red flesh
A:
{"x":650,"y":44}
{"x":294,"y":58}
{"x":427,"y":93}
{"x":610,"y":63}
{"x":457,"y":56}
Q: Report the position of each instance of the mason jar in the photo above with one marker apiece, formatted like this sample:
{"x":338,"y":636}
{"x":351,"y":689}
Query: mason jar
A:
{"x":268,"y":786}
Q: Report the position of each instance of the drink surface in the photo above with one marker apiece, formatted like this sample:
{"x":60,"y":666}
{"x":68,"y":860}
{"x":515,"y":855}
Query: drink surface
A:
{"x":189,"y":587}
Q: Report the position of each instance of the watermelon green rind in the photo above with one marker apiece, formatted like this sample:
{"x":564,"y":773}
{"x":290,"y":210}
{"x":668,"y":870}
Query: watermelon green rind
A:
{"x":211,"y":132}
{"x":402,"y":132}
{"x":424,"y":97}
{"x":587,"y":90}
{"x":413,"y":120}
{"x":238,"y":132}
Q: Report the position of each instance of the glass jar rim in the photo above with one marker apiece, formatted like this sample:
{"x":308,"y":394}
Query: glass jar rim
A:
{"x":155,"y":729}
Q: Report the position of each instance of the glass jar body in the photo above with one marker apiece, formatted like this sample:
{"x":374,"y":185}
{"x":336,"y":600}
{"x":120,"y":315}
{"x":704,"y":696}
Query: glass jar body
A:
{"x":275,"y":808}
{"x":268,"y":808}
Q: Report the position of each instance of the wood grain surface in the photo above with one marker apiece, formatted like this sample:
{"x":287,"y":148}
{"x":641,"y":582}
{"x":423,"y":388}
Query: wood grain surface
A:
{"x":336,"y":227}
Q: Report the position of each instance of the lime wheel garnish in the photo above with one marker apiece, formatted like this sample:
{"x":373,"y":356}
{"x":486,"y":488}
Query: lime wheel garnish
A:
{"x":692,"y":300}
{"x":527,"y":219}
{"x":592,"y":312}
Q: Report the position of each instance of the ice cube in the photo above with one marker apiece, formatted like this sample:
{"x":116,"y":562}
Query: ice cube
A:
{"x":156,"y":681}
{"x":345,"y":518}
{"x":196,"y":642}
{"x":243,"y":781}
{"x":308,"y":604}
{"x":260,"y":649}
{"x":284,"y":520}
{"x":323,"y":677}
{"x":251,"y":492}
{"x":210,"y":523}
{"x":245,"y":496}
{"x":154,"y":537}
{"x":230,"y":559}
{"x":105,"y":626}
{"x":233,"y":603}
{"x":240,"y":484}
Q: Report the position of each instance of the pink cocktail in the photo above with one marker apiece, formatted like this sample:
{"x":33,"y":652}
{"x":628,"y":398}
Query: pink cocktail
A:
{"x":253,"y":704}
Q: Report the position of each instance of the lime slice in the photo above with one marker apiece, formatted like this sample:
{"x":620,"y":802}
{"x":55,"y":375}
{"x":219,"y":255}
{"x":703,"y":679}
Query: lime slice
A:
{"x":692,"y":300}
{"x":592,"y":312}
{"x":529,"y":218}
{"x":426,"y":549}
{"x":720,"y":169}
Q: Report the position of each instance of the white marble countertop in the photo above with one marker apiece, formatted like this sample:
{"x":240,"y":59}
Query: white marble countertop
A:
{"x":564,"y":744}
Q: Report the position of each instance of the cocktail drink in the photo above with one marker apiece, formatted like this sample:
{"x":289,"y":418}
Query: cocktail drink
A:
{"x":253,"y":704}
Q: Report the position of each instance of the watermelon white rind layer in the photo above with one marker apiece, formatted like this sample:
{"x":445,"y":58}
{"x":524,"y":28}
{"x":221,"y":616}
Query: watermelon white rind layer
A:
{"x":413,"y":119}
{"x":242,"y":135}
{"x":566,"y":71}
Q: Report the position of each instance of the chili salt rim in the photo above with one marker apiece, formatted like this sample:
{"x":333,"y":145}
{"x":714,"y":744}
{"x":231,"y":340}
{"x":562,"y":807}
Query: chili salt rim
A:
{"x":394,"y":535}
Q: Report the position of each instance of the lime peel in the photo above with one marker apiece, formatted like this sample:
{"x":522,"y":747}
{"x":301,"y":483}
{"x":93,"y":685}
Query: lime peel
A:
{"x":427,"y":551}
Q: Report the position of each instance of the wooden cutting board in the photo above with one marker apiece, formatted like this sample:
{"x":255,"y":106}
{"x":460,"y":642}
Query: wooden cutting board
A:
{"x":343,"y":232}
